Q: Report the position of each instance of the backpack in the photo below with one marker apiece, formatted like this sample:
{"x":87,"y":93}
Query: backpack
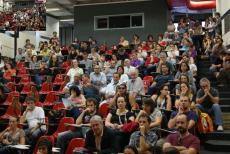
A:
{"x":205,"y":123}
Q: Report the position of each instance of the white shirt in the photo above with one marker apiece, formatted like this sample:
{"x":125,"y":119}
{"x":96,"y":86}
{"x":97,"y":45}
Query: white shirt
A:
{"x":127,"y":70}
{"x":36,"y":116}
{"x":71,"y":73}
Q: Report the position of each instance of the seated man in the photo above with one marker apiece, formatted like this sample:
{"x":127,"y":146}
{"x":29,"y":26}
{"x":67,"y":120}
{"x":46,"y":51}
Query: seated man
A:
{"x":64,"y":138}
{"x":160,"y":79}
{"x":110,"y":89}
{"x":184,"y":107}
{"x":183,"y":141}
{"x":100,"y":138}
{"x":144,"y":139}
{"x":35,"y":116}
{"x":207,"y":100}
{"x":135,"y":85}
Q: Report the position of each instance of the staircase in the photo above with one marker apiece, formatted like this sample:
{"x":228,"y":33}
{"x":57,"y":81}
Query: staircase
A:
{"x":216,"y":142}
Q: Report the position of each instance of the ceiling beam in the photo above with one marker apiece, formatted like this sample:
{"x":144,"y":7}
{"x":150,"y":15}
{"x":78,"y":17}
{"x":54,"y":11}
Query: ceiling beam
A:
{"x":64,"y":7}
{"x":50,"y":15}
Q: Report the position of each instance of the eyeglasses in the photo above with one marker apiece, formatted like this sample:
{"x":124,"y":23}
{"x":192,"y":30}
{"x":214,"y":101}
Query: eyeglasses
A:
{"x":166,"y":89}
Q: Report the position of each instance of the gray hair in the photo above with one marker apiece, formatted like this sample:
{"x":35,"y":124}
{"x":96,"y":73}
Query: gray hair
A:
{"x":204,"y":80}
{"x":96,"y":118}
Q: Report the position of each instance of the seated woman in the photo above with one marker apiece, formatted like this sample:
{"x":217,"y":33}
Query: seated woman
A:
{"x":150,"y":108}
{"x":117,"y":118}
{"x":162,"y":98}
{"x":185,"y":90}
{"x":77,"y":101}
{"x":184,"y":79}
{"x":9,"y":71}
{"x":12,"y":135}
{"x":64,"y":138}
{"x":185,"y":70}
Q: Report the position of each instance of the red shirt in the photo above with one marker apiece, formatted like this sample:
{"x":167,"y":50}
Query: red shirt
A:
{"x":147,"y":62}
{"x":189,"y":141}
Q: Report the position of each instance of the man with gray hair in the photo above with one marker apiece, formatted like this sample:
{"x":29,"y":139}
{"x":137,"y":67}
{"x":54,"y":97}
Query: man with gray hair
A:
{"x":207,"y":100}
{"x":127,"y":67}
{"x":100,"y":138}
{"x":135,"y":85}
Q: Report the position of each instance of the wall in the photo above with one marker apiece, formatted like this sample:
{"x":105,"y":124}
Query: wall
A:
{"x":222,"y":7}
{"x":156,"y":15}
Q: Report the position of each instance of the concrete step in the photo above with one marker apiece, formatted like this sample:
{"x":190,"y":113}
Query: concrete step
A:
{"x":224,"y":101}
{"x":225,"y":108}
{"x":225,"y":135}
{"x":224,"y":94}
{"x":217,"y":145}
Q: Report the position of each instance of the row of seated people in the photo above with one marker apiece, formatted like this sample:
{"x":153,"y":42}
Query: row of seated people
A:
{"x":183,"y":106}
{"x":149,"y":120}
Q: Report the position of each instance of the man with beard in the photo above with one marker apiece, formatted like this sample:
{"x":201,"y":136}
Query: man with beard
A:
{"x":184,"y":108}
{"x":183,"y":141}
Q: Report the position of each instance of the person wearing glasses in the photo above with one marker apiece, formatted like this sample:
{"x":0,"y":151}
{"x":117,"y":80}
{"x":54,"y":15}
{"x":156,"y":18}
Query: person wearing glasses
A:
{"x":184,"y":108}
{"x":207,"y":100}
{"x":12,"y":135}
{"x":35,"y":117}
{"x":182,"y":140}
{"x":121,"y":91}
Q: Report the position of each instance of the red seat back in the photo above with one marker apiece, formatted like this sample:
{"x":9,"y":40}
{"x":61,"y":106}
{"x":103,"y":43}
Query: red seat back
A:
{"x":75,"y":143}
{"x":58,"y":79}
{"x":104,"y":110}
{"x":62,"y":127}
{"x":148,"y":78}
{"x":46,"y":87}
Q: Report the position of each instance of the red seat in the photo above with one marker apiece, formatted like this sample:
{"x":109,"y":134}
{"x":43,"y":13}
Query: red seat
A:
{"x":46,"y":88}
{"x":62,"y":127}
{"x":75,"y":143}
{"x":11,"y":111}
{"x":58,"y":79}
{"x":104,"y":110}
{"x":20,"y":65}
{"x":22,"y":71}
{"x":26,"y":89}
{"x":10,"y":97}
{"x":49,"y":138}
{"x":148,"y":78}
{"x":51,"y":98}
{"x":66,"y":65}
{"x":11,"y":86}
{"x":25,"y":79}
{"x":59,"y":106}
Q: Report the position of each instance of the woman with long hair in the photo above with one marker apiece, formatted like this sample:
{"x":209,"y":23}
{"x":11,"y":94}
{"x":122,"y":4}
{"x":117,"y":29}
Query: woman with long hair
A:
{"x":162,"y":98}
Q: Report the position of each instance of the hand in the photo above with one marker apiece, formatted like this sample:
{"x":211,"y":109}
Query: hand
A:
{"x":5,"y":141}
{"x":142,"y":130}
{"x":28,"y":108}
{"x":115,"y":126}
{"x":180,"y":110}
{"x":142,"y":112}
{"x":87,"y":110}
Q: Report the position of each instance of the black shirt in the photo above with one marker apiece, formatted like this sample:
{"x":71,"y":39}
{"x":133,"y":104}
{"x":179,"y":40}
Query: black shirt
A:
{"x":107,"y":142}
